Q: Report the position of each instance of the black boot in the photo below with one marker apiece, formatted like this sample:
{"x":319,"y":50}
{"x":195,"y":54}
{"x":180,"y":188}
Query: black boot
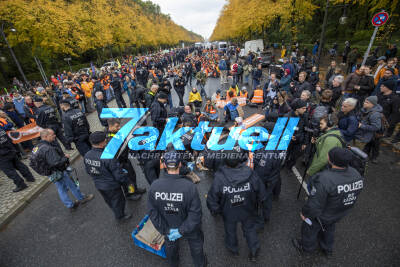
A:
{"x":20,"y":188}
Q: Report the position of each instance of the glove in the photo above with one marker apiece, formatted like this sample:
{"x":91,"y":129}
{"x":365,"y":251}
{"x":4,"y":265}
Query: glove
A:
{"x":174,"y":234}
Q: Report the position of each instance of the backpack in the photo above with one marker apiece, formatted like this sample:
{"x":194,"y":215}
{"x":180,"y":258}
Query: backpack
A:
{"x":37,"y":163}
{"x":239,"y":69}
{"x":359,"y":160}
{"x":384,"y":126}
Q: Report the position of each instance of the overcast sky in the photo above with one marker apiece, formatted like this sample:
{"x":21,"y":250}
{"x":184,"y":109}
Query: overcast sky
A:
{"x":199,"y":16}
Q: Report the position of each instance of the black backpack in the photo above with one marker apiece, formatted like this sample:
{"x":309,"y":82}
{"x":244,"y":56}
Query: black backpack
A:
{"x":359,"y":160}
{"x":37,"y":163}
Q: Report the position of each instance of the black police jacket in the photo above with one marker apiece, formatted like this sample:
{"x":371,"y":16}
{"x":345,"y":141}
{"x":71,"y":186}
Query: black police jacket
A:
{"x":300,"y":132}
{"x":47,"y":116}
{"x":53,"y":156}
{"x":236,"y":193}
{"x":76,"y":126}
{"x":158,"y":114}
{"x":333,"y":193}
{"x":165,"y":86}
{"x":73,"y":102}
{"x":107,"y":174}
{"x":179,"y":84}
{"x":267,"y":164}
{"x":116,"y":84}
{"x":174,"y":202}
{"x":7,"y":149}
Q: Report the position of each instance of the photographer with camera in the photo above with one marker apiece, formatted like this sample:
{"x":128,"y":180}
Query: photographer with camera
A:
{"x":48,"y":159}
{"x":324,"y":143}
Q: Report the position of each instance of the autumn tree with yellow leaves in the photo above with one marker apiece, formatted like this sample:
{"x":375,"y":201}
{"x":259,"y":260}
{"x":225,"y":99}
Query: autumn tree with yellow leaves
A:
{"x":53,"y":29}
{"x":301,"y":20}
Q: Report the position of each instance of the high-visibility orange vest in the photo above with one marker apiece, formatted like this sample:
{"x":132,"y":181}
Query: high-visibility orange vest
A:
{"x":3,"y":122}
{"x":31,"y":120}
{"x":210,"y":109}
{"x":258,"y":97}
{"x":243,"y":95}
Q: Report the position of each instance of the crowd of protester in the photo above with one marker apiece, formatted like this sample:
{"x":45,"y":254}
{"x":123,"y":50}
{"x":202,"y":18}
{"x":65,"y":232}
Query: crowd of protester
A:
{"x":358,"y":107}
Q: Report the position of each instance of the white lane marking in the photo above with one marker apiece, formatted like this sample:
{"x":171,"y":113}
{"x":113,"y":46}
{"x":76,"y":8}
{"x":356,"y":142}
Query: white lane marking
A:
{"x":299,"y":178}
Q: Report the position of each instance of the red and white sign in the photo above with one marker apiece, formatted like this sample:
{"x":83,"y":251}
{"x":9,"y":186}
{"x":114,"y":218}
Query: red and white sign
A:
{"x":380,"y":19}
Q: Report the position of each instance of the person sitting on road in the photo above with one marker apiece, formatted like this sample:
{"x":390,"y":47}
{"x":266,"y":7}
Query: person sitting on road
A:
{"x":195,"y":98}
{"x":188,"y":115}
{"x":233,"y":110}
{"x":257,"y":97}
{"x":210,"y":110}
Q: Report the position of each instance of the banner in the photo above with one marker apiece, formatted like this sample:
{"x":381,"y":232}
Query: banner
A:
{"x":221,"y":103}
{"x":25,"y":133}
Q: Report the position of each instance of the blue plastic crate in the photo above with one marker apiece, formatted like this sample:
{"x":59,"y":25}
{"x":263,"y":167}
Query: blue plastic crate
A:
{"x":139,"y":243}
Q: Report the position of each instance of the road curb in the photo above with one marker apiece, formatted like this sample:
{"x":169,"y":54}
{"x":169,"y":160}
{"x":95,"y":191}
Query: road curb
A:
{"x":24,"y":202}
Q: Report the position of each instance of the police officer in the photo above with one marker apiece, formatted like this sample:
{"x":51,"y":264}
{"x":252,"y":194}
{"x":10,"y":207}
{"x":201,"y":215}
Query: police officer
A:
{"x":72,"y":101}
{"x":267,"y":164}
{"x":333,"y":193}
{"x":236,"y":193}
{"x":76,"y":127}
{"x":47,"y":118}
{"x":165,"y":87}
{"x":114,"y":125}
{"x":175,"y":210}
{"x":158,"y":112}
{"x":108,"y":175}
{"x":299,"y":138}
{"x":116,"y":85}
{"x":179,"y":86}
{"x":10,"y":163}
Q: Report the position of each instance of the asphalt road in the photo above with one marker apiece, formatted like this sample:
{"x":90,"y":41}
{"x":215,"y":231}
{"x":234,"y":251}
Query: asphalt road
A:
{"x":47,"y":234}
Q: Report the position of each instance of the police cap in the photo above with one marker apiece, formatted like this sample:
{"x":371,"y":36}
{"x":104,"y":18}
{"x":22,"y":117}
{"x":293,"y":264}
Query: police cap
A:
{"x":172,"y":159}
{"x":340,"y":157}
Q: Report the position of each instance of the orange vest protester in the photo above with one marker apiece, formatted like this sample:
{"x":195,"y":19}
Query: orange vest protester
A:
{"x":258,"y":97}
{"x":3,"y":122}
{"x":241,"y":94}
{"x":105,"y":82}
{"x":210,"y":109}
{"x":87,"y":87}
{"x":31,"y":120}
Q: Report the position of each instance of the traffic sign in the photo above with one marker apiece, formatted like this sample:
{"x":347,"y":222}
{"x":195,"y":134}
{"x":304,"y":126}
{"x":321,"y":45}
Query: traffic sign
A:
{"x":67,"y":59}
{"x":380,"y":18}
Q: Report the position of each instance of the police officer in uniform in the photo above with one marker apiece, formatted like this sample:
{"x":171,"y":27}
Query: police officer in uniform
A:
{"x":333,"y":193}
{"x":116,"y":85}
{"x":114,"y":125}
{"x":10,"y":163}
{"x":47,"y":118}
{"x":267,"y":164}
{"x":175,"y":210}
{"x":299,"y":138}
{"x":76,"y":127}
{"x":72,"y":101}
{"x":158,"y":112}
{"x":237,"y":193}
{"x":108,"y":175}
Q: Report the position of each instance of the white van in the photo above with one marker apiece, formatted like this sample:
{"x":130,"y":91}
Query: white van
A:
{"x":222,"y":46}
{"x":254,"y":46}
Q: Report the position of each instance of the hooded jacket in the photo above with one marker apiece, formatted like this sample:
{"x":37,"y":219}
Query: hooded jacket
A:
{"x":370,"y":123}
{"x":236,"y":193}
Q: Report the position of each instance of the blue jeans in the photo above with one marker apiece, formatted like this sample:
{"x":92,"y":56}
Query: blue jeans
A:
{"x":63,"y":185}
{"x":170,"y":100}
{"x":255,"y":83}
{"x":83,"y":108}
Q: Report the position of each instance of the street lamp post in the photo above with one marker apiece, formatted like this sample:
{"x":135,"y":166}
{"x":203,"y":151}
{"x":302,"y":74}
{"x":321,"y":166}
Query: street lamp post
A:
{"x":342,"y":20}
{"x":3,"y":24}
